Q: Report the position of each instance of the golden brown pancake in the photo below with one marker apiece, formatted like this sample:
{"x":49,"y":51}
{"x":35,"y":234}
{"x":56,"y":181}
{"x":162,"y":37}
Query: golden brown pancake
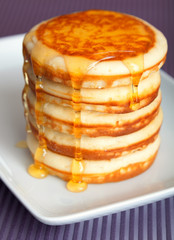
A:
{"x":92,"y":95}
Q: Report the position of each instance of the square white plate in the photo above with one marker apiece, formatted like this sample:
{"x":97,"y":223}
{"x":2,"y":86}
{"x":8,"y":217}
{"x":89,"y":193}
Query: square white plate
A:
{"x":47,"y":199}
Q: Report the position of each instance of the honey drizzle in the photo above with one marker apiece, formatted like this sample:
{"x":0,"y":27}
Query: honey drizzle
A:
{"x":24,"y":94}
{"x":77,"y":69}
{"x":37,"y":169}
{"x":76,"y":184}
{"x":136,"y":67}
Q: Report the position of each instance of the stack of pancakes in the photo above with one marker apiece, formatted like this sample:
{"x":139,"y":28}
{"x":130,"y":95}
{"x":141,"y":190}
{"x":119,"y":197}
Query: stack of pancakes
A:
{"x":111,"y":61}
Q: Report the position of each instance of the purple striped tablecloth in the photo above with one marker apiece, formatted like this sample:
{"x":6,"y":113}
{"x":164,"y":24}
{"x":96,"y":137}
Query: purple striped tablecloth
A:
{"x":152,"y":221}
{"x":149,"y":222}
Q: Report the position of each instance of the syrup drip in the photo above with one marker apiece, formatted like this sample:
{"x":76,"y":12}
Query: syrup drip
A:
{"x":77,"y":69}
{"x":135,"y":102}
{"x":37,"y":169}
{"x":76,"y":184}
{"x":24,"y":94}
{"x":136,"y":67}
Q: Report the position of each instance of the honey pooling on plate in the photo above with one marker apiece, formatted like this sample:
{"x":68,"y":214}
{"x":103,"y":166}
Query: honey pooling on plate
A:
{"x":100,"y":103}
{"x":21,"y":144}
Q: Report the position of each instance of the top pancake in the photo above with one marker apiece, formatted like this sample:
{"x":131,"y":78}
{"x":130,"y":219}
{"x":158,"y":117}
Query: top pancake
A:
{"x":94,"y":43}
{"x":97,"y":35}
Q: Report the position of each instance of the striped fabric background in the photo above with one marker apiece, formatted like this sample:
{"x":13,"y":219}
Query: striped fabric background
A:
{"x":151,"y":222}
{"x":154,"y":221}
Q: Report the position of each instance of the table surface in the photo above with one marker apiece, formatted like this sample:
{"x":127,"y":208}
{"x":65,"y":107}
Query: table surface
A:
{"x":152,"y":221}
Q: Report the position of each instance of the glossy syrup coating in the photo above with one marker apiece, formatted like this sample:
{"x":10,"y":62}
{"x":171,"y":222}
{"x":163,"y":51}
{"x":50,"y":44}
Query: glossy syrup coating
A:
{"x":97,"y":34}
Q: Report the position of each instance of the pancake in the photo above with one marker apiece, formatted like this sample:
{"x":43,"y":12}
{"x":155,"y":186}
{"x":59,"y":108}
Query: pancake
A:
{"x":92,"y":96}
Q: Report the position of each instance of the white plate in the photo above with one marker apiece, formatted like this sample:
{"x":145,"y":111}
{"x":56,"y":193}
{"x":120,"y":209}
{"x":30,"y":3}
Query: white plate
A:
{"x":47,"y":199}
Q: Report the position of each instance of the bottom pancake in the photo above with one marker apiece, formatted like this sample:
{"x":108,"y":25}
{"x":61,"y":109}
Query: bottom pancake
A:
{"x":113,"y":170}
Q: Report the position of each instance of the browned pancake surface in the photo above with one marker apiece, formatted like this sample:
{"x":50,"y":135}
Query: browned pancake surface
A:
{"x":97,"y":34}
